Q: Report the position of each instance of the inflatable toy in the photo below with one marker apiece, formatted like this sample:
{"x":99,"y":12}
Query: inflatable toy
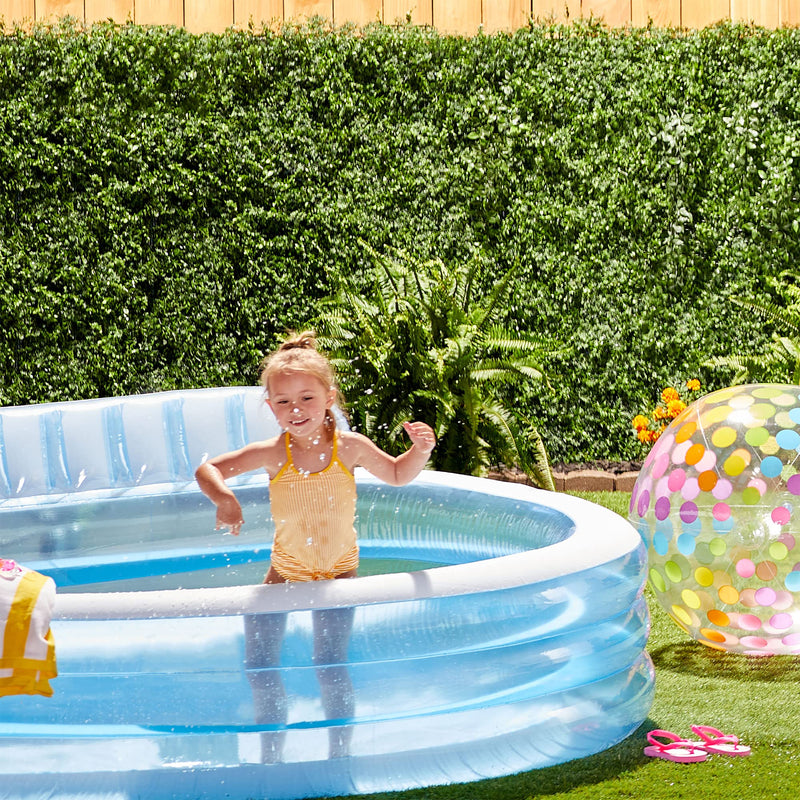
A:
{"x":496,"y":628}
{"x":718,"y":504}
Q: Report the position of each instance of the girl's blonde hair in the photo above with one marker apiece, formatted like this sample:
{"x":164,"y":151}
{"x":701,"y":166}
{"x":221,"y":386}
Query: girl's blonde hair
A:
{"x":299,"y":354}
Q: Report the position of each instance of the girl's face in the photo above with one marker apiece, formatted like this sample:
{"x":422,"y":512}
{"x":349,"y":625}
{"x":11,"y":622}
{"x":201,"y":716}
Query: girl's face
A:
{"x":299,"y":402}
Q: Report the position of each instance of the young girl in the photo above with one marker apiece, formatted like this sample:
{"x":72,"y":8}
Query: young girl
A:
{"x":312,"y":501}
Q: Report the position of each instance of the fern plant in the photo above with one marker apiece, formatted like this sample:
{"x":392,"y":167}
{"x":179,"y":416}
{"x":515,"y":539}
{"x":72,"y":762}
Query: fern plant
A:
{"x":426,"y":344}
{"x":781,"y":360}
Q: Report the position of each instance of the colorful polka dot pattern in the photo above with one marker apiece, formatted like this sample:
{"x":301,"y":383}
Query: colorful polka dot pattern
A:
{"x":718,"y":504}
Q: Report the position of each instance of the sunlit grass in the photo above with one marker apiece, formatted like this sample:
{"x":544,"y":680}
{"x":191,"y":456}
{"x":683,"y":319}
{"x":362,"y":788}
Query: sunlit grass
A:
{"x":755,"y":698}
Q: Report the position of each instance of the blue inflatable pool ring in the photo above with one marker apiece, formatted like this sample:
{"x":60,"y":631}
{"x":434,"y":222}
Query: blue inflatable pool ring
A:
{"x":496,"y":628}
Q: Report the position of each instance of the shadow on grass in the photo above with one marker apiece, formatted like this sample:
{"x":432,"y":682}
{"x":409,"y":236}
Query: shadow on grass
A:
{"x":695,"y":659}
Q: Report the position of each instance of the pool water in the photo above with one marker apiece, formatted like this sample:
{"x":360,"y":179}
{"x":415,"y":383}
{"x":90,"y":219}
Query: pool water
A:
{"x":250,"y":571}
{"x":151,"y":543}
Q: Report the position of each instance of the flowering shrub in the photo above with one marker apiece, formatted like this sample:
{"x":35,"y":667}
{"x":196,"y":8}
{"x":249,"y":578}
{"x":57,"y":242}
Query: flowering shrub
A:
{"x":650,"y":426}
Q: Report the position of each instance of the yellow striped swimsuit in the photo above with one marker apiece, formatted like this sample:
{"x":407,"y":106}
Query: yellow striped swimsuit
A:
{"x":314,"y":515}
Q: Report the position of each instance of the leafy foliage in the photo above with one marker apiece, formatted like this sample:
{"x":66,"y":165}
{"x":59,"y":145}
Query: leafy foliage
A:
{"x":780,"y":362}
{"x":426,"y":344}
{"x":170,"y":204}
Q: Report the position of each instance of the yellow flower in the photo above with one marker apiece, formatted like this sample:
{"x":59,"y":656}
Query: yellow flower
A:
{"x":674,"y":407}
{"x":669,"y":394}
{"x":672,"y":403}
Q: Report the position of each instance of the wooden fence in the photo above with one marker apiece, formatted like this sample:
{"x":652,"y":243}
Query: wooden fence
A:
{"x":447,"y":16}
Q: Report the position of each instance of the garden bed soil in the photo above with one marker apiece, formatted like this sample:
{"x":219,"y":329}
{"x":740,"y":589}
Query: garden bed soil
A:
{"x":582,"y":476}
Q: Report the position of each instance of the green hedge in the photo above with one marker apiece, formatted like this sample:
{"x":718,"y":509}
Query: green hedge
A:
{"x":170,"y":203}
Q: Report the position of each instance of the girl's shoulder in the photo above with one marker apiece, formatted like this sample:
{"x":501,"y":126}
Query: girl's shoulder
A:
{"x":350,"y":439}
{"x":353,"y":447}
{"x":273,"y":453}
{"x":268,"y":454}
{"x":266,"y":445}
{"x":256,"y":455}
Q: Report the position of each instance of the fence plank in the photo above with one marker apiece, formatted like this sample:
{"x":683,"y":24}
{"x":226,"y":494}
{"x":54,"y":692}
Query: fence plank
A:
{"x":615,"y":13}
{"x":457,"y":16}
{"x":790,"y":12}
{"x":762,"y":12}
{"x":505,"y":15}
{"x":101,"y":10}
{"x":702,"y":13}
{"x":301,"y":10}
{"x":555,"y":10}
{"x":48,"y":10}
{"x":449,"y":16}
{"x":158,"y":12}
{"x":262,"y":13}
{"x":360,"y":12}
{"x":421,"y":11}
{"x":17,"y":11}
{"x":662,"y":13}
{"x":207,"y":16}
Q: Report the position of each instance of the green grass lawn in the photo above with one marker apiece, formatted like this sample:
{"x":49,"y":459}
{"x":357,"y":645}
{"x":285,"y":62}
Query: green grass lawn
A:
{"x":755,"y":698}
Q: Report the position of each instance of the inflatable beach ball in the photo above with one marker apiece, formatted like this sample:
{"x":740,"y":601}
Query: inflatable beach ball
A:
{"x":717,"y":503}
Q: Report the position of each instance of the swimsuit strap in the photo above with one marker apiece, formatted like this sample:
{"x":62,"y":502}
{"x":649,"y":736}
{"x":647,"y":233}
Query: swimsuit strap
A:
{"x":286,"y":464}
{"x":334,"y":455}
{"x":286,"y":440}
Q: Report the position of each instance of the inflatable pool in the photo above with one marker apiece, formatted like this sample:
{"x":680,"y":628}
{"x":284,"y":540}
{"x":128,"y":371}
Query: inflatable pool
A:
{"x":496,"y":628}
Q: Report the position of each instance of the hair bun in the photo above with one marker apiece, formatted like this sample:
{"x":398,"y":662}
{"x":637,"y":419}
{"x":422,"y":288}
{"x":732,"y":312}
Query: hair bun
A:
{"x":307,"y":340}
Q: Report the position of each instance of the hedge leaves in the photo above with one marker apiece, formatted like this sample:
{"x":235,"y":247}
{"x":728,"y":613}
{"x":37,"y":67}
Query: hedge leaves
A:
{"x":170,"y":203}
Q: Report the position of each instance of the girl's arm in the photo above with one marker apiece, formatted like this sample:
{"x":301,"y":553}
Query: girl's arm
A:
{"x":395,"y":471}
{"x":212,"y":474}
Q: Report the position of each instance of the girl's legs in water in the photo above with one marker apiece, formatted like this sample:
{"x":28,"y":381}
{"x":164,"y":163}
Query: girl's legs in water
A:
{"x":332,"y":629}
{"x":263,"y":637}
{"x":263,"y":640}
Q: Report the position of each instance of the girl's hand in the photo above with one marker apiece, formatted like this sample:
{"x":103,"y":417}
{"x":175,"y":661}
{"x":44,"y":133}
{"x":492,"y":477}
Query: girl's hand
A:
{"x":421,"y":435}
{"x":229,"y":515}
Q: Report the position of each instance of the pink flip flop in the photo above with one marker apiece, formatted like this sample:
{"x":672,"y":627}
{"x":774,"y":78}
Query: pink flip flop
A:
{"x":675,"y":749}
{"x":719,"y":743}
